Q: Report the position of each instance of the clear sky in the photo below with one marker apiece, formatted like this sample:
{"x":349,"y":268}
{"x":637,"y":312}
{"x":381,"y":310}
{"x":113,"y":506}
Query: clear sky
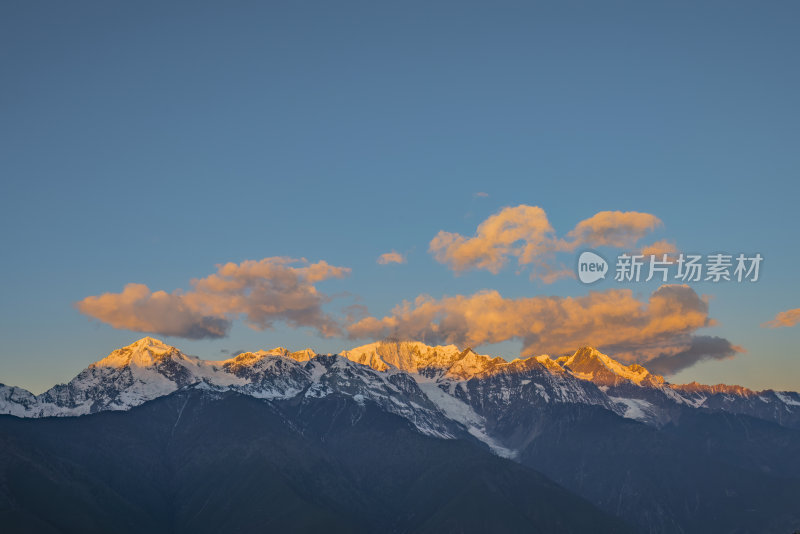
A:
{"x":148,"y":142}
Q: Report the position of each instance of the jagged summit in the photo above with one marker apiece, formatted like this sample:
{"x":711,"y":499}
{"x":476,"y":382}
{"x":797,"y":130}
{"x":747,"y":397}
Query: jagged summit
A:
{"x":694,"y":387}
{"x":430,"y":385}
{"x":149,"y":351}
{"x":300,"y":355}
{"x":142,"y":353}
{"x":589,"y":363}
{"x":415,"y":357}
{"x":404,"y":355}
{"x":148,"y":341}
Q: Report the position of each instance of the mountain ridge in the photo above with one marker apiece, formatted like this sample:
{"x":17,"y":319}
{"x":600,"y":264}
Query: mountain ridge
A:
{"x":150,"y":368}
{"x":409,"y":356}
{"x":602,"y":429}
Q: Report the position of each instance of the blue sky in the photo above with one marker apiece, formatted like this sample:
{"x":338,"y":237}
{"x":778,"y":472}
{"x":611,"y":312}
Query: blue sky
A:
{"x":149,"y":142}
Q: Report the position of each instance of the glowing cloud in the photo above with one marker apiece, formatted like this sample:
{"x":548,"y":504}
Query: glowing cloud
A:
{"x":613,"y":228}
{"x":521,"y":231}
{"x":658,"y":249}
{"x":391,"y":257}
{"x":524,"y":233}
{"x":784,"y":319}
{"x":612,"y":320}
{"x":264,"y":291}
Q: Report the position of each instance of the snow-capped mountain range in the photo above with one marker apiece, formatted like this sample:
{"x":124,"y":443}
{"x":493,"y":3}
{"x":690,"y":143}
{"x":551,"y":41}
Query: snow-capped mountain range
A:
{"x":442,"y":390}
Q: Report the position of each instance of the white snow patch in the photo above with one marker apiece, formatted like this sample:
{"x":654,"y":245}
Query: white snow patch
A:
{"x":635,"y":408}
{"x":317,"y":370}
{"x":462,"y":413}
{"x":786,"y":399}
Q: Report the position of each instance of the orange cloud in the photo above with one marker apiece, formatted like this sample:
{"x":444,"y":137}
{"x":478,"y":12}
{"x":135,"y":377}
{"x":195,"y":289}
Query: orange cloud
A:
{"x":612,"y":320}
{"x":521,"y":231}
{"x":658,"y":249}
{"x":391,"y":257}
{"x":613,"y":228}
{"x":784,"y":319}
{"x":264,"y":291}
{"x":525,"y":234}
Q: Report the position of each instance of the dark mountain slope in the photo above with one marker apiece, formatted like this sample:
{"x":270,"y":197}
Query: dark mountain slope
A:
{"x":678,"y":479}
{"x":207,"y":462}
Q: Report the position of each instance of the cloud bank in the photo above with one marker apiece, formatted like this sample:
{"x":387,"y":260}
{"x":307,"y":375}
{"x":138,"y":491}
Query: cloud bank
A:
{"x":523,"y":233}
{"x":661,"y":329}
{"x":264,"y":291}
{"x":701,"y":348}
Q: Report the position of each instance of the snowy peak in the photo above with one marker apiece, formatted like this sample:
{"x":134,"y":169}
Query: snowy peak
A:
{"x":470,"y":364}
{"x":422,"y":383}
{"x":416,"y":357}
{"x":251,"y":358}
{"x":409,"y":356}
{"x":695,"y":388}
{"x":146,"y":352}
{"x":590,"y":364}
{"x":546,"y":361}
{"x":302,"y":355}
